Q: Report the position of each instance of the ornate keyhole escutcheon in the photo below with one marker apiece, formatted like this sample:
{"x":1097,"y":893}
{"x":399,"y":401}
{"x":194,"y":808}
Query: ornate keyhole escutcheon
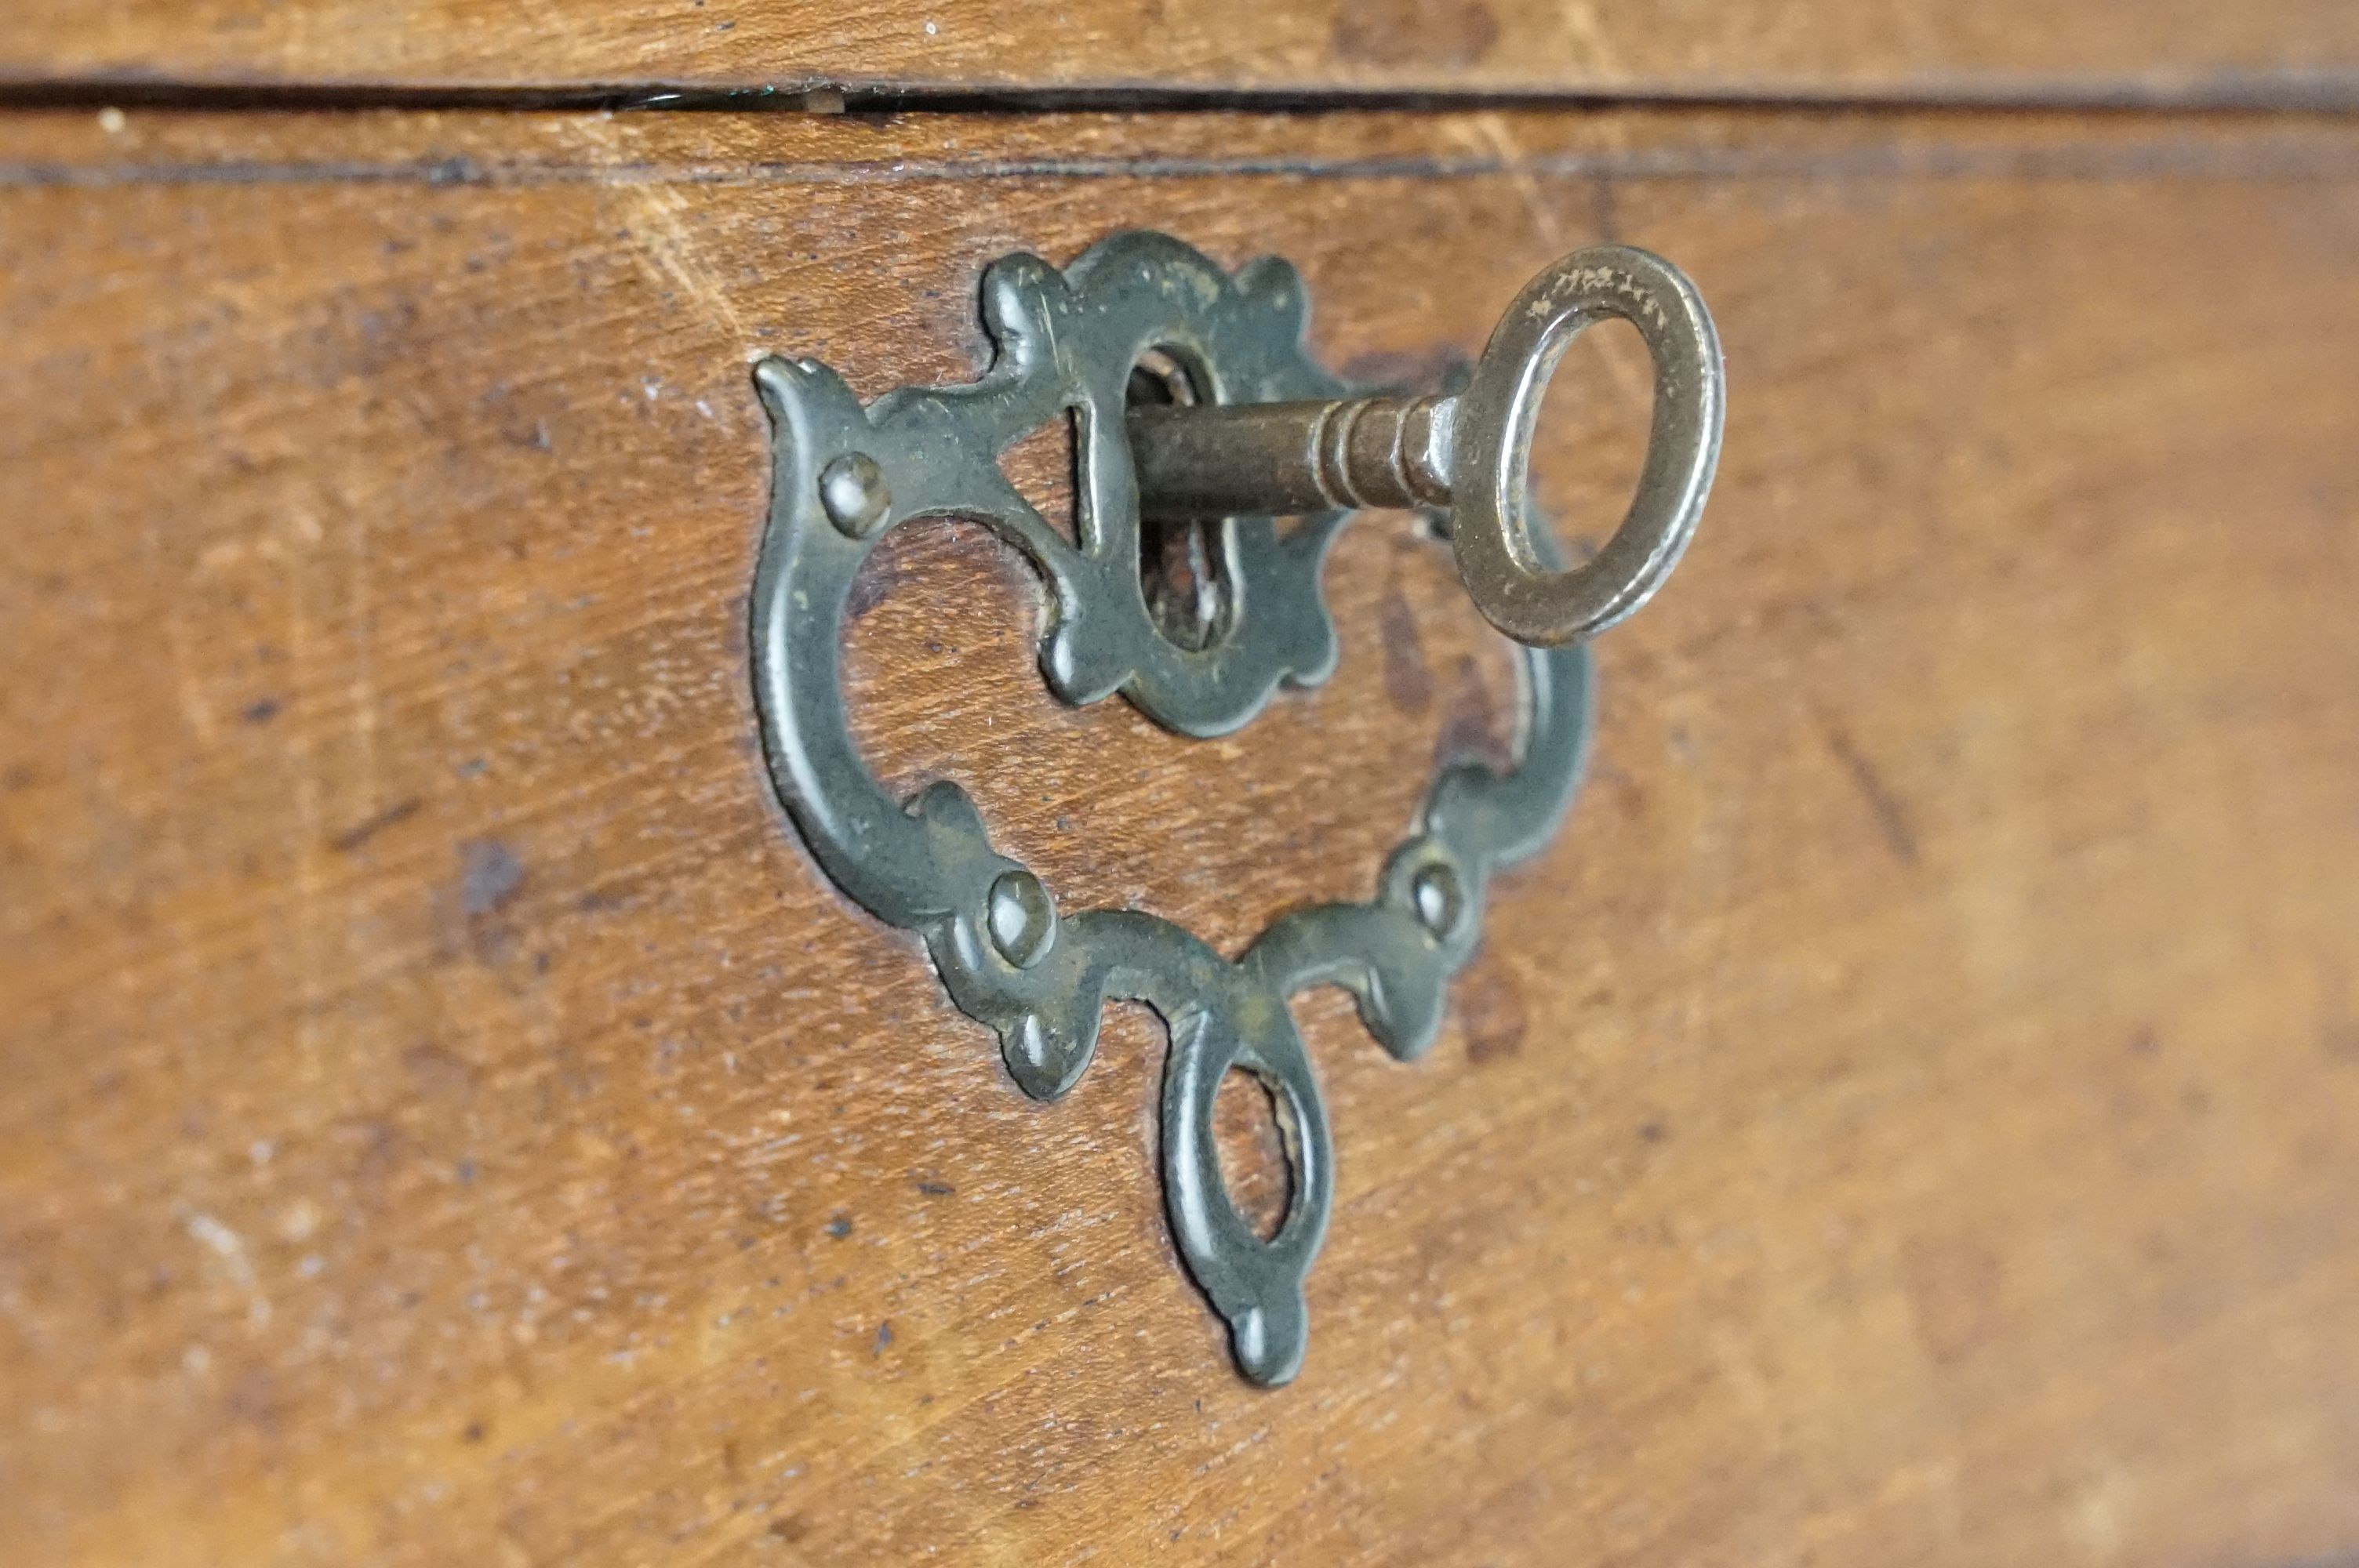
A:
{"x":1067,"y":344}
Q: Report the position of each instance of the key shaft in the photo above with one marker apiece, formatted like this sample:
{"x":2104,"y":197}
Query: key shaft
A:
{"x":1283,"y":459}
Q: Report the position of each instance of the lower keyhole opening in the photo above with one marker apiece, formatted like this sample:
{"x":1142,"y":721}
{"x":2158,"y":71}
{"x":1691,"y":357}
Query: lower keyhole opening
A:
{"x":1254,"y":1134}
{"x":1183,"y":563}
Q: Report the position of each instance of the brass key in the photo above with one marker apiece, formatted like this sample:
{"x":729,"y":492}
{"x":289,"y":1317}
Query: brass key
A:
{"x":1471,"y":452}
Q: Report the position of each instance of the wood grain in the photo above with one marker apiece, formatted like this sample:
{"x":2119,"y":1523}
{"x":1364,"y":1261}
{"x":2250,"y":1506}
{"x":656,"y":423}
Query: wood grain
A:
{"x":2180,"y":52}
{"x":1907,"y":1116}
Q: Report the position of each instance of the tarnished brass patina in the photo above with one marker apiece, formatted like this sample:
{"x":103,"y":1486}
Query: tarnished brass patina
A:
{"x":1246,"y":428}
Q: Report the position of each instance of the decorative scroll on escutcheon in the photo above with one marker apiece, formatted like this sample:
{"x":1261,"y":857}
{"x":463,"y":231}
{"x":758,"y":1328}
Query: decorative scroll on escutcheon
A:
{"x":1251,"y":430}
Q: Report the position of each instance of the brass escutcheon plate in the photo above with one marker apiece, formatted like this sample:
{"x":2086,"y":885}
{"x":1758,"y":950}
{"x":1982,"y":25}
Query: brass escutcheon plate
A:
{"x":845,"y":475}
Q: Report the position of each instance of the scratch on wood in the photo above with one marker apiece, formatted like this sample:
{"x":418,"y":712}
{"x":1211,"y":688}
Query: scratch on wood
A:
{"x":361,"y":832}
{"x":1491,"y":130}
{"x":229,"y":1247}
{"x":1891,"y":816}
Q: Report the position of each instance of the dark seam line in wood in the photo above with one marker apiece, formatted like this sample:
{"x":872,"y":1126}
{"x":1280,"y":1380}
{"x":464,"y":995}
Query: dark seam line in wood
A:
{"x":2229,"y":91}
{"x":2328,"y":163}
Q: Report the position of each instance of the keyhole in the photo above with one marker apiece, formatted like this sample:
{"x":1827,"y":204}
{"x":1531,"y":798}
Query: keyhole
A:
{"x":1183,"y":566}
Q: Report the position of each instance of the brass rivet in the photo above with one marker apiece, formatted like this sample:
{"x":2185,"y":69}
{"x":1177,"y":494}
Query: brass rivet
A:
{"x":852,"y":491}
{"x":1023,"y":919}
{"x":1439,"y":898}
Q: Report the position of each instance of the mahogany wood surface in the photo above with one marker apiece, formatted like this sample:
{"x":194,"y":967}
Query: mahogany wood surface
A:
{"x":1907,"y":1116}
{"x":2088,"y":51}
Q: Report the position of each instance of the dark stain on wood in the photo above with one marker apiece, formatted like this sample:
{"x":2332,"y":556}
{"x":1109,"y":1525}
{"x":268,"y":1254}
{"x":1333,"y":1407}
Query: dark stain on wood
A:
{"x":1491,"y":1009}
{"x":1407,"y":682}
{"x":1954,"y":1285}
